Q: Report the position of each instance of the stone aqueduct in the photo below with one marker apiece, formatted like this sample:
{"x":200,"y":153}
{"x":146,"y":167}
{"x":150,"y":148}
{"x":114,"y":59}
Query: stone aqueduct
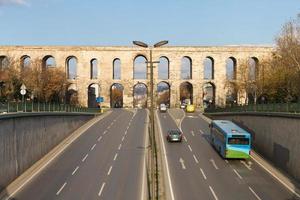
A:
{"x":105,"y":57}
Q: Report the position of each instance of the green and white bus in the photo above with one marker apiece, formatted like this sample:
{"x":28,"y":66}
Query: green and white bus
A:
{"x":230,"y":140}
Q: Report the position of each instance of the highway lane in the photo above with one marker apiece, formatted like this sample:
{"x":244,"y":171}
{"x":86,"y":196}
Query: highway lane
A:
{"x":207,"y":175}
{"x":106,"y":162}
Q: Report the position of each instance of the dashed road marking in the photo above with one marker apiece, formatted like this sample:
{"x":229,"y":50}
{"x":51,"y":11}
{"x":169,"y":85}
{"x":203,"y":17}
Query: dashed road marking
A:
{"x":226,"y":161}
{"x":203,"y":174}
{"x":116,"y":155}
{"x":192,"y":132}
{"x":75,"y":170}
{"x":184,"y":138}
{"x":123,"y":138}
{"x":61,"y":188}
{"x":99,"y":138}
{"x":85,"y":157}
{"x":254,"y":193}
{"x":214,"y":163}
{"x":108,"y":173}
{"x":245,"y":164}
{"x":196,"y":160}
{"x":201,"y":132}
{"x":240,"y":177}
{"x":126,"y":132}
{"x":213,"y":193}
{"x":190,"y":148}
{"x":120,"y":146}
{"x":93,"y":147}
{"x":182,"y":163}
{"x":101,"y":189}
{"x":104,"y":132}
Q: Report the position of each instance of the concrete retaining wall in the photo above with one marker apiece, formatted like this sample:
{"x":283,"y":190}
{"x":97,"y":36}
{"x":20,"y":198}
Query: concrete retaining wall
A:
{"x":26,"y":138}
{"x":275,"y":136}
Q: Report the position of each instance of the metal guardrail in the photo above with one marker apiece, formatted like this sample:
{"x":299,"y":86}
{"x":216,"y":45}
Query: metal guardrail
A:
{"x":29,"y":106}
{"x":273,"y":107}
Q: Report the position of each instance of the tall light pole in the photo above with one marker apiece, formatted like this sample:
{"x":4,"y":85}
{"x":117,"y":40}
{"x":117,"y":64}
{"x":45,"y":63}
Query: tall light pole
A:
{"x":152,"y":137}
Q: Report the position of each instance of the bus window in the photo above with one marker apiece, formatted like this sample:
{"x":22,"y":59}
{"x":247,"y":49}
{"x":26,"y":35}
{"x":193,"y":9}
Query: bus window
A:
{"x":239,"y":141}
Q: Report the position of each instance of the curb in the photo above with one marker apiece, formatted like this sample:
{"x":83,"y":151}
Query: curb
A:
{"x":36,"y":168}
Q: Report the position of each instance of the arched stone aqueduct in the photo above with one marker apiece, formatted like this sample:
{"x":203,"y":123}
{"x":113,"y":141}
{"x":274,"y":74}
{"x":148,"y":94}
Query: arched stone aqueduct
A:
{"x":105,"y":56}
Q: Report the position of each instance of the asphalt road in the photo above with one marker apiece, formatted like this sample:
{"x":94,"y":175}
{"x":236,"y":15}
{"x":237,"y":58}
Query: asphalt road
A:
{"x":106,"y":162}
{"x":198,"y":172}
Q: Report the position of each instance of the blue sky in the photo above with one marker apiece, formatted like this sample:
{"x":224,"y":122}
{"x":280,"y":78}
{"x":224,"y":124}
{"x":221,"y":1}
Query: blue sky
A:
{"x":118,"y":22}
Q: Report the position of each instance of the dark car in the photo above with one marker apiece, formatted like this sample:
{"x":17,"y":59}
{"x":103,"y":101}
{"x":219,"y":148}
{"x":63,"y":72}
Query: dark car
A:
{"x":174,"y":136}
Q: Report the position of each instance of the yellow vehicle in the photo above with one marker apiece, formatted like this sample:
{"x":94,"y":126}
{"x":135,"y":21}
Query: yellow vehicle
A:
{"x":190,"y":108}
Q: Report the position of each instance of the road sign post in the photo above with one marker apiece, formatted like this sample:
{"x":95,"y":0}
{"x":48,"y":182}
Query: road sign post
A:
{"x":23,"y":93}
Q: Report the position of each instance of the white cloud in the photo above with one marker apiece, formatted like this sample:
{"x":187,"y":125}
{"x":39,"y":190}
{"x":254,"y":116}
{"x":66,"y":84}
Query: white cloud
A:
{"x":13,"y":2}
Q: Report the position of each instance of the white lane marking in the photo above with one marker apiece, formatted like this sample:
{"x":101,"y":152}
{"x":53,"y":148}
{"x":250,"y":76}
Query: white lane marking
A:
{"x":75,"y":170}
{"x":213,"y":193}
{"x":190,"y":148}
{"x":93,"y":147}
{"x":247,"y":166}
{"x":126,"y":132}
{"x":192,"y":132}
{"x":237,"y":174}
{"x":165,"y":158}
{"x":104,"y":132}
{"x":226,"y":161}
{"x":123,"y":138}
{"x":203,"y":174}
{"x":127,"y":127}
{"x":196,"y":160}
{"x":214,"y":163}
{"x":99,"y":138}
{"x":120,"y":146}
{"x":116,"y":155}
{"x":101,"y":189}
{"x":108,"y":127}
{"x":85,"y":157}
{"x":283,"y":183}
{"x":184,"y":138}
{"x":254,"y":193}
{"x":61,"y":188}
{"x":108,"y":173}
{"x":201,"y":132}
{"x":182,"y":163}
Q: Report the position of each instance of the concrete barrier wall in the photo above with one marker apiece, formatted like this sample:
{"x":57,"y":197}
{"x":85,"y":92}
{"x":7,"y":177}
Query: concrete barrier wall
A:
{"x":26,"y":138}
{"x":275,"y":136}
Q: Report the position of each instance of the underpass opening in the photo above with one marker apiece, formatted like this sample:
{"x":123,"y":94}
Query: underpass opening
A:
{"x":186,"y":93}
{"x":116,"y":95}
{"x":209,"y":92}
{"x":93,"y":93}
{"x":163,"y":93}
{"x":140,"y":95}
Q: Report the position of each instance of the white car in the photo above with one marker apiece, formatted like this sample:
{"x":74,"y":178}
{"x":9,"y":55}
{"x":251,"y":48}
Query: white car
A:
{"x":163,"y":107}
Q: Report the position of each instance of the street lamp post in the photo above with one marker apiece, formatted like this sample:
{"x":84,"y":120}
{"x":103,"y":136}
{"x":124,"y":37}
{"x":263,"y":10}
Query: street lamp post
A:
{"x":152,"y":137}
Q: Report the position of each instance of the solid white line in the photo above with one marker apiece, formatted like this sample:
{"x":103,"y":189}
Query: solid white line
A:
{"x":190,"y":148}
{"x":102,"y":187}
{"x":99,"y":138}
{"x":116,"y":156}
{"x":75,"y":170}
{"x":61,"y":188}
{"x":283,"y":183}
{"x":213,"y":193}
{"x":184,"y":138}
{"x":108,"y":173}
{"x":203,"y":174}
{"x":85,"y":157}
{"x":120,"y":146}
{"x":165,"y":158}
{"x":237,"y":174}
{"x":254,"y":193}
{"x":93,"y":147}
{"x":196,"y":160}
{"x":214,"y":164}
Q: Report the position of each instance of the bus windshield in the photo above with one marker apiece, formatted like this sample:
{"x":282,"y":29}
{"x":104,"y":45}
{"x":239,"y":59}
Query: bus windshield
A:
{"x":238,"y":141}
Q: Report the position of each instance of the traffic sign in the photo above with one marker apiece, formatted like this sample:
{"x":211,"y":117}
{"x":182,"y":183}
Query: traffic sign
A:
{"x":23,"y":92}
{"x":99,"y":99}
{"x":23,"y":87}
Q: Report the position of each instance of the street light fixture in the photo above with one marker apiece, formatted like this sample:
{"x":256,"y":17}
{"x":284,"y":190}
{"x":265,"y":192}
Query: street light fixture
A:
{"x":152,"y":137}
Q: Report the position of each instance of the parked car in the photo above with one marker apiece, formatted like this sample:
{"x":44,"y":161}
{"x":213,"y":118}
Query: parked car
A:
{"x":163,"y":107}
{"x":174,"y":135}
